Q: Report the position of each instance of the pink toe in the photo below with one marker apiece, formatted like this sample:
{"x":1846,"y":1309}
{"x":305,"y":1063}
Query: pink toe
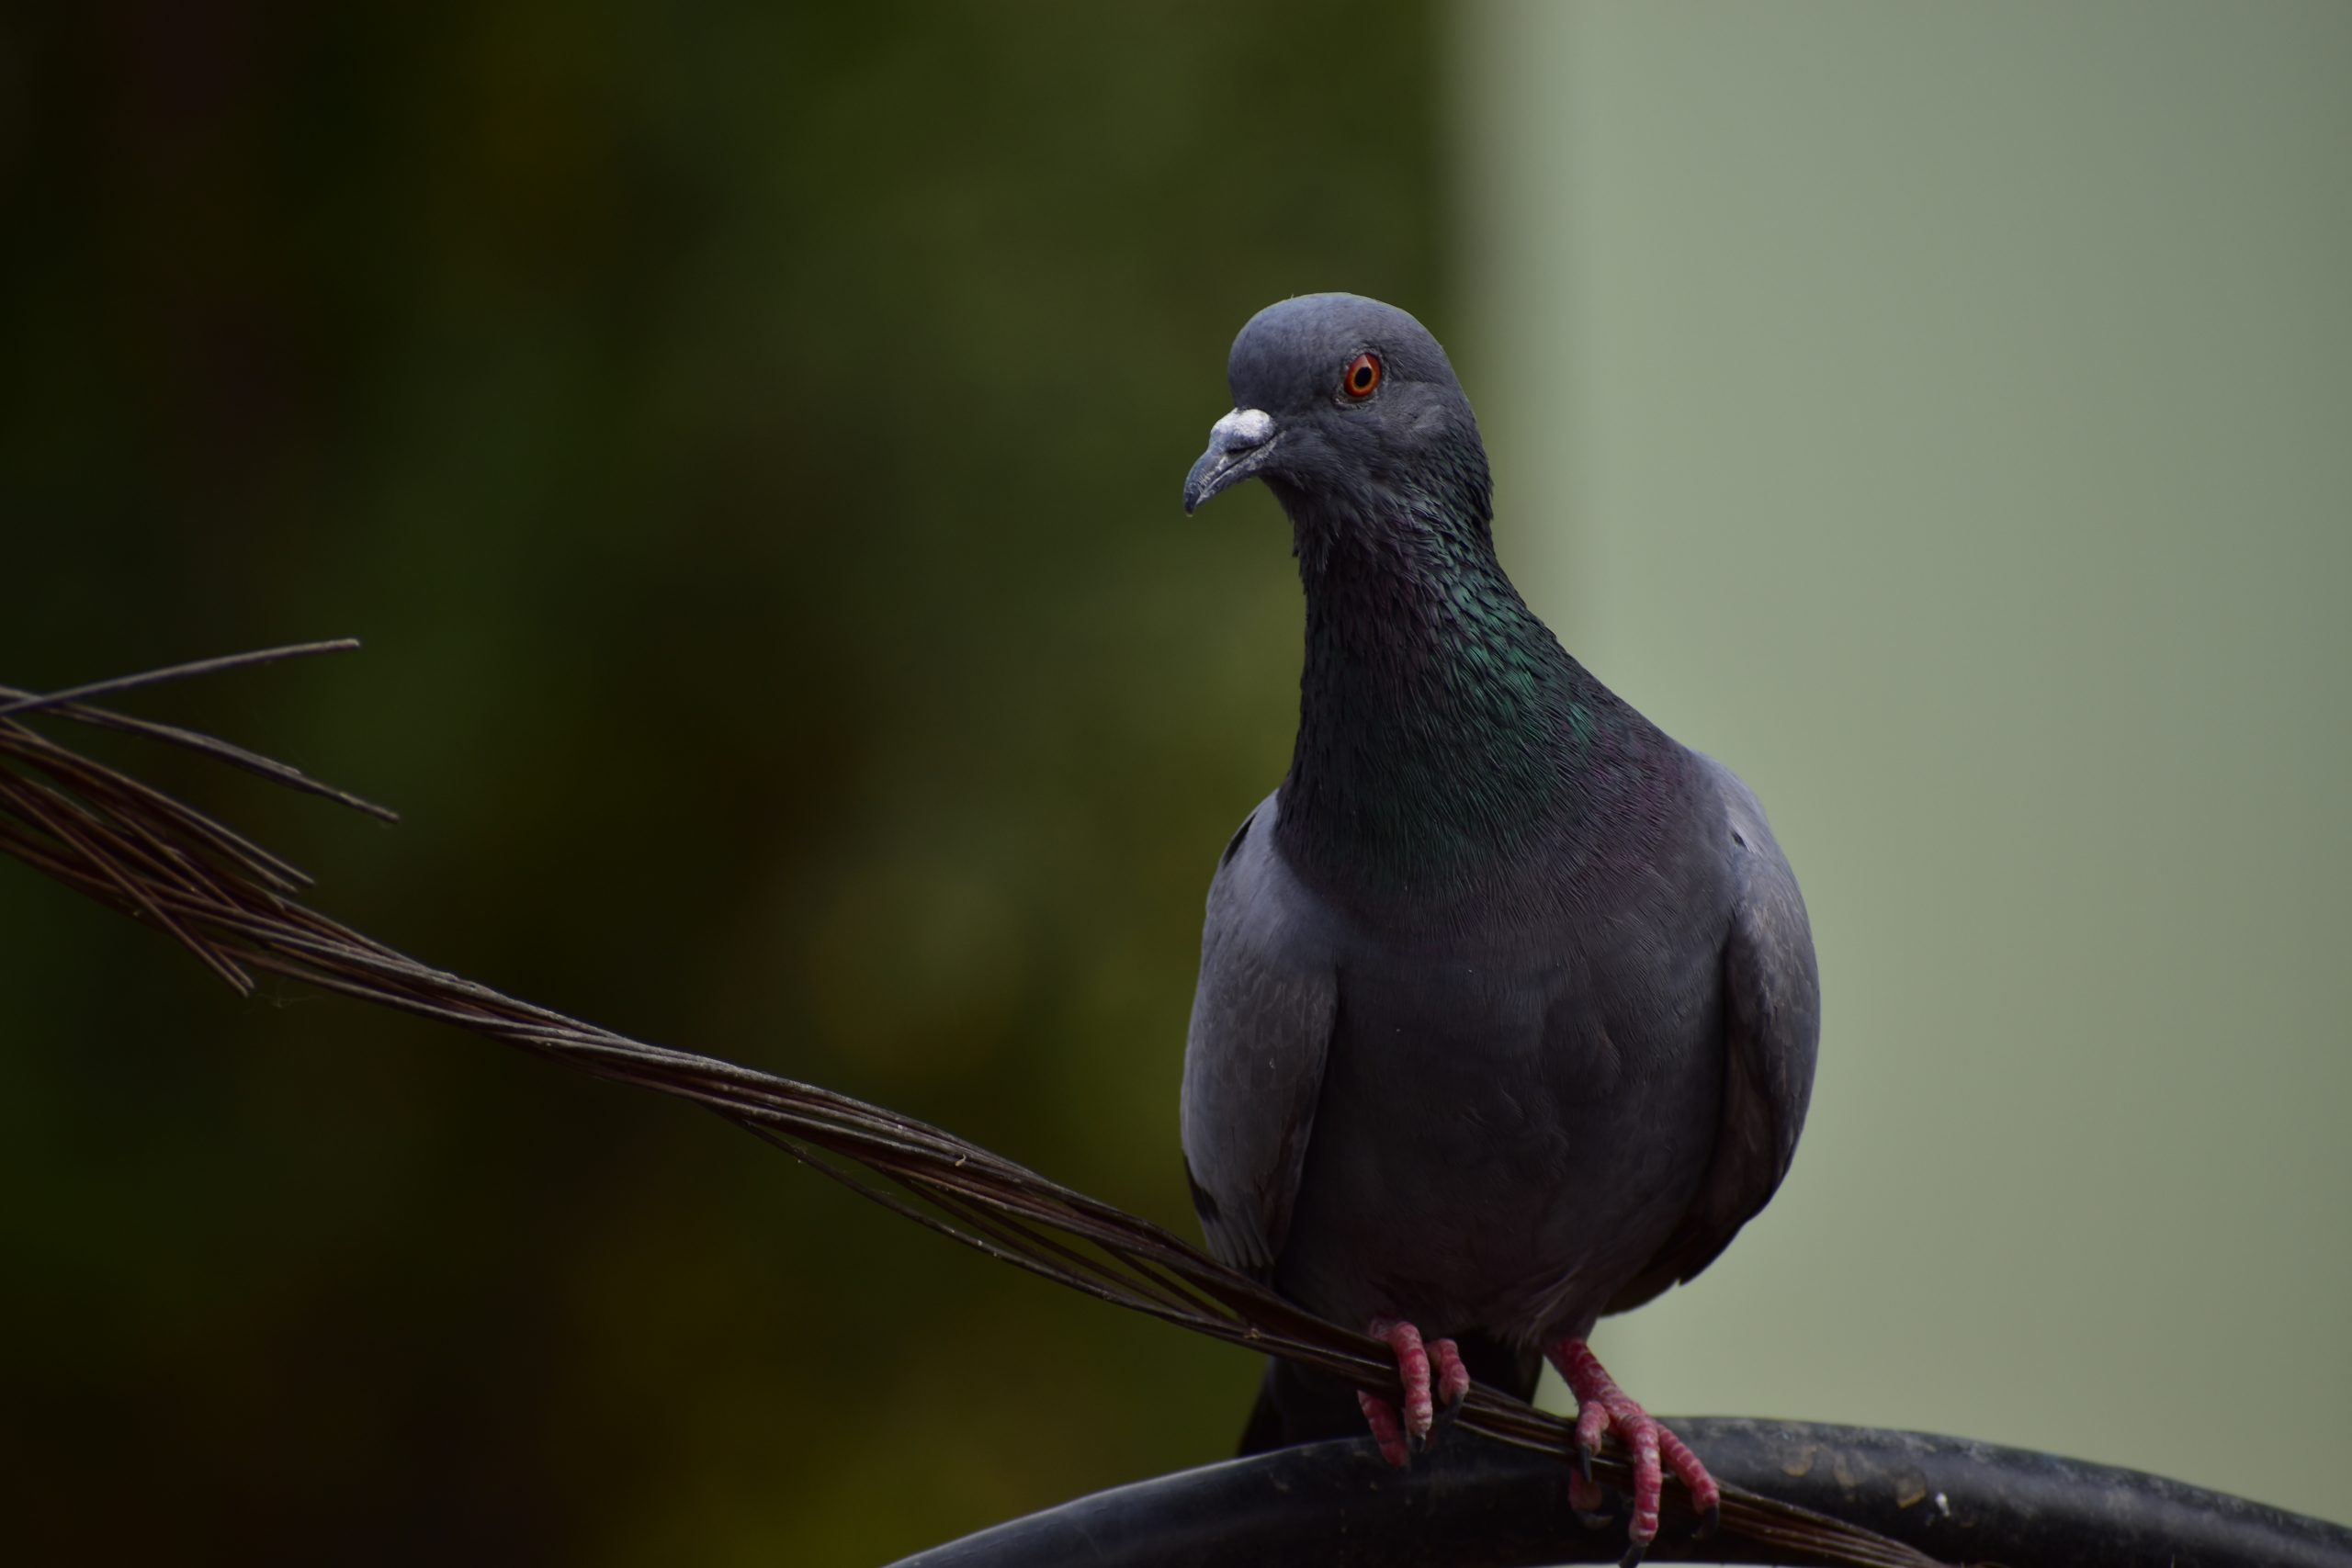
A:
{"x":1452,"y":1377}
{"x":1412,"y":1371}
{"x":1381,"y":1416}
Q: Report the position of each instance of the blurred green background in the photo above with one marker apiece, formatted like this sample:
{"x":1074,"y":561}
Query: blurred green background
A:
{"x":747,"y":440}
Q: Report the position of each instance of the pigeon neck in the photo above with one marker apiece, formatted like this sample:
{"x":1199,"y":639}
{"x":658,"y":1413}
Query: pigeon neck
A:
{"x":1440,"y":725}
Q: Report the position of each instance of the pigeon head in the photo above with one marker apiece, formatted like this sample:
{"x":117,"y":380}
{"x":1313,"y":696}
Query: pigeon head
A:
{"x":1348,"y":410}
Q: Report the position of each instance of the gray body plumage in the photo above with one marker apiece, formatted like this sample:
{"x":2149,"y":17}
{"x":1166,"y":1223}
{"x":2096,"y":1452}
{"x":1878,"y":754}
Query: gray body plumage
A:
{"x":1507,"y":1007}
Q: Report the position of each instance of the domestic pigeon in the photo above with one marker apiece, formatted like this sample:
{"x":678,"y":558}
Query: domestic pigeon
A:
{"x":1508,"y":1005}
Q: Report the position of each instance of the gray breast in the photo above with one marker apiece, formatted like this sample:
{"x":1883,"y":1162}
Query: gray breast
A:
{"x":1511,"y":1122}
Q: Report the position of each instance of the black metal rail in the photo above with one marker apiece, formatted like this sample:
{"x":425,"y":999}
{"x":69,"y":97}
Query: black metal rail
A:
{"x":1474,"y":1504}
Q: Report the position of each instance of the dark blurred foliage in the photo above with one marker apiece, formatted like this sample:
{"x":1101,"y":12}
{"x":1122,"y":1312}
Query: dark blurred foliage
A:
{"x":747,"y":440}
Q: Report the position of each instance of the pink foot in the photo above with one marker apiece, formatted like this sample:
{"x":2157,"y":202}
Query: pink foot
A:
{"x":1400,"y":1439}
{"x":1600,"y":1404}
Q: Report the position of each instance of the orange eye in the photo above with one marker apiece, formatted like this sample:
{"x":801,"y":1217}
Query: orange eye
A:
{"x":1360,"y":376}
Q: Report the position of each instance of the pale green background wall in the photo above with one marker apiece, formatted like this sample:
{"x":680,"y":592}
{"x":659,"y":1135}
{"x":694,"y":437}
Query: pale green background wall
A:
{"x":1945,"y":416}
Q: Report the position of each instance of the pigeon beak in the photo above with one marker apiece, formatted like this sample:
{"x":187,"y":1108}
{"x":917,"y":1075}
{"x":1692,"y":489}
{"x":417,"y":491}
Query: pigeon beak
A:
{"x":1239,"y":445}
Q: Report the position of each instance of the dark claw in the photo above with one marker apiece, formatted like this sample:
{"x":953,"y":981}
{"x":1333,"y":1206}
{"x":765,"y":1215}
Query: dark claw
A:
{"x":1633,"y":1556}
{"x":1583,"y":1461}
{"x":1709,"y":1521}
{"x":1415,"y":1443}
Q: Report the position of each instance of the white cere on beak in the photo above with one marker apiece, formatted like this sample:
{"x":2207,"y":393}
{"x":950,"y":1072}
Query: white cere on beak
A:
{"x":1241,"y":429}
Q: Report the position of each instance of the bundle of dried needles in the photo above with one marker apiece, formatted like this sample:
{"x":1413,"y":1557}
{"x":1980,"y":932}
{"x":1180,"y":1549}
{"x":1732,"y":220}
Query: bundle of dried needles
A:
{"x":235,"y":905}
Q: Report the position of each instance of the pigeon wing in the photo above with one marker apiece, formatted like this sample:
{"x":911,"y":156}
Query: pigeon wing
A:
{"x":1772,"y":1025}
{"x":1261,"y":1029}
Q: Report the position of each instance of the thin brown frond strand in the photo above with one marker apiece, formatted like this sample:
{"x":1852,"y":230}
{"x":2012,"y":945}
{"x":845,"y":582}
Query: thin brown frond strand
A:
{"x":216,"y":892}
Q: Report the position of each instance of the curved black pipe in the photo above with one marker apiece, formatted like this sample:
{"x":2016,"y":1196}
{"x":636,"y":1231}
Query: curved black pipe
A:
{"x":1474,"y":1504}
